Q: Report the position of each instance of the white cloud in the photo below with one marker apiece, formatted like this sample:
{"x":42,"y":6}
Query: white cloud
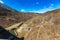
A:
{"x":45,"y":9}
{"x":22,"y":10}
{"x":40,"y":11}
{"x":51,"y":5}
{"x":1,"y":1}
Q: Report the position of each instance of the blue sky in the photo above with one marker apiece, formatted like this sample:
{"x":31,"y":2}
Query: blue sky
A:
{"x":38,"y":6}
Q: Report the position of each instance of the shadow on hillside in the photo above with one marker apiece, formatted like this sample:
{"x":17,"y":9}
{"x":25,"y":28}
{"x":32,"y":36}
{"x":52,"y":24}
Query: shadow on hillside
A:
{"x":4,"y":34}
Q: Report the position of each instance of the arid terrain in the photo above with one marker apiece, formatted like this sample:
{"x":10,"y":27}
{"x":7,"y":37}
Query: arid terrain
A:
{"x":9,"y":16}
{"x":42,"y":27}
{"x":31,"y":26}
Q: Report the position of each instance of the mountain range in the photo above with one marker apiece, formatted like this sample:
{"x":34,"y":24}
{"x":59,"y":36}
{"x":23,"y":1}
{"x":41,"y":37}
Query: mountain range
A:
{"x":8,"y":16}
{"x":36,"y":26}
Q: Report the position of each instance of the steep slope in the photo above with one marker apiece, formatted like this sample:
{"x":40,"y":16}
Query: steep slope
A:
{"x":42,"y":27}
{"x":47,"y":29}
{"x":9,"y":16}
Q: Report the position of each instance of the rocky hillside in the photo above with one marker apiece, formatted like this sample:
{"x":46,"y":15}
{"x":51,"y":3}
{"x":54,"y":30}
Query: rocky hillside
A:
{"x":35,"y":26}
{"x":45,"y":27}
{"x":9,"y":16}
{"x":42,"y":27}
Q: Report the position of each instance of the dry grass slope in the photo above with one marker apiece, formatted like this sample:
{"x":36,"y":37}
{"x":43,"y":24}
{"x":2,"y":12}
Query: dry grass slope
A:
{"x":43,"y":27}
